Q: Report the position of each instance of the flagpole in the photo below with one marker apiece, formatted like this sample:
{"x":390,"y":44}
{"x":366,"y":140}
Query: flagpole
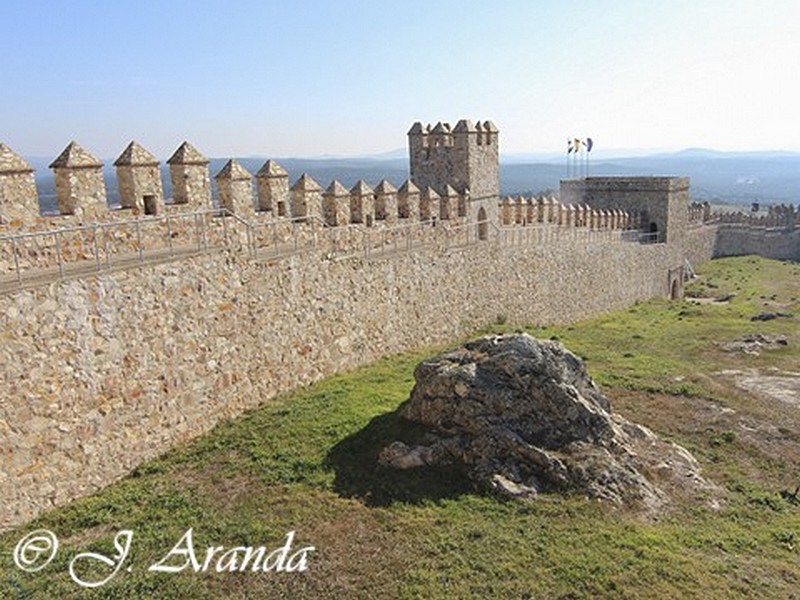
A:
{"x":566,"y":163}
{"x":589,"y":146}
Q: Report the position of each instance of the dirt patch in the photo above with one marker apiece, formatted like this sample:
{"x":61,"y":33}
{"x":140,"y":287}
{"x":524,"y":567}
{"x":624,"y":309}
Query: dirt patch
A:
{"x":703,"y":300}
{"x":783,"y":386}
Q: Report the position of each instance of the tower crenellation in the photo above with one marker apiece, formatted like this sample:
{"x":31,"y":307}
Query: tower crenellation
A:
{"x":139,"y":181}
{"x":80,"y":188}
{"x":191,"y":180}
{"x":454,"y":179}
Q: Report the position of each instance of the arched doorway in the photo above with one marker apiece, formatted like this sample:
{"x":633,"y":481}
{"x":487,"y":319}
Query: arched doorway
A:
{"x":483,"y":225}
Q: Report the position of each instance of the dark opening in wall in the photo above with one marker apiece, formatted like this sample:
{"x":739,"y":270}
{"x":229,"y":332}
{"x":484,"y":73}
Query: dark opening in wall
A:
{"x":149,"y":201}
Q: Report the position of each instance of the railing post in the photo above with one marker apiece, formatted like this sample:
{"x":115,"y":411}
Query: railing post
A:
{"x":197,"y":234}
{"x":58,"y":255}
{"x":16,"y":260}
{"x":224,"y":227}
{"x":169,"y":238}
{"x":139,"y":240}
{"x":96,"y":249}
{"x":105,"y":248}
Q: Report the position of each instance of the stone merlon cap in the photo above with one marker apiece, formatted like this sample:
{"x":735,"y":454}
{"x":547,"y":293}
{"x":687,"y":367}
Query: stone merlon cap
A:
{"x":465,"y":126}
{"x":385,"y":187}
{"x":75,"y":157}
{"x":449,"y":191}
{"x":361,"y":188}
{"x":233,"y":171}
{"x":11,"y":162}
{"x":417,"y":129}
{"x":306,"y":183}
{"x":431,"y":193}
{"x":135,"y":155}
{"x":186,"y":154}
{"x":336,"y":189}
{"x":271,"y":169}
{"x":408,"y":187}
{"x":441,"y":128}
{"x":490,"y":127}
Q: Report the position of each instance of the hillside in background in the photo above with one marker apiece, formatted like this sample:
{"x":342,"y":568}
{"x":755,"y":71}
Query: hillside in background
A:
{"x":734,"y":177}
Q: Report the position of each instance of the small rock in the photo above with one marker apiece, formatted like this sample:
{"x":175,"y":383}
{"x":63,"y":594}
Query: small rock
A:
{"x":769,"y":316}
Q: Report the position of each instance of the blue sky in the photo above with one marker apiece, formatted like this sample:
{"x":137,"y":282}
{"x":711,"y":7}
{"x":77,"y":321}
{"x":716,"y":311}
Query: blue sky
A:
{"x":301,"y":78}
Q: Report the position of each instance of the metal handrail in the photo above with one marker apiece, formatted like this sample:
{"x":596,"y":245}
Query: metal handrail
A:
{"x":398,"y":236}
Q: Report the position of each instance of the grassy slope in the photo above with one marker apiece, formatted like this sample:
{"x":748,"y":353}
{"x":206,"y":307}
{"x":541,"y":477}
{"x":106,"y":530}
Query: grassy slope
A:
{"x":305,"y":462}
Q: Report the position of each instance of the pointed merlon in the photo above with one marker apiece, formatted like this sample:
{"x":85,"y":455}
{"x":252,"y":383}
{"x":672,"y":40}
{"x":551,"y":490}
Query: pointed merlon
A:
{"x":271,"y":169}
{"x":306,"y":183}
{"x":11,"y":162}
{"x":417,"y":129}
{"x":75,"y":157}
{"x":135,"y":156}
{"x":490,"y":127}
{"x":361,"y":188}
{"x":336,"y":189}
{"x":233,"y":171}
{"x":465,"y":126}
{"x":431,"y":193}
{"x":449,"y":191}
{"x":385,"y":187}
{"x":408,"y":187}
{"x":186,"y":154}
{"x":441,"y":128}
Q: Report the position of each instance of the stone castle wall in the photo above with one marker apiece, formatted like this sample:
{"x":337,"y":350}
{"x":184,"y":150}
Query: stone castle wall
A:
{"x":734,"y":239}
{"x":103,"y":372}
{"x":106,"y":370}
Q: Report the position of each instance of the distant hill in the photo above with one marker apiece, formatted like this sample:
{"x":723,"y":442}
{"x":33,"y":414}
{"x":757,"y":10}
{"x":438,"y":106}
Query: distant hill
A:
{"x":736,"y":177}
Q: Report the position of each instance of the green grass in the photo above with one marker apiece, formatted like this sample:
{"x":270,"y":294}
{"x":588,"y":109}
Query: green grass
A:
{"x":306,"y":462}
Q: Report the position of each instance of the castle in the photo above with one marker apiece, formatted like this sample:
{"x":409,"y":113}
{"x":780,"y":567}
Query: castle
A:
{"x":127,"y":331}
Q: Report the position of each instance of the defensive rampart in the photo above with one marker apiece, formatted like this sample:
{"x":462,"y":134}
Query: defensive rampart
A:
{"x":129,"y":331}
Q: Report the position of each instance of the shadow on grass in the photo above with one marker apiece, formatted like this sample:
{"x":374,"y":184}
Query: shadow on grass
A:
{"x":358,"y":474}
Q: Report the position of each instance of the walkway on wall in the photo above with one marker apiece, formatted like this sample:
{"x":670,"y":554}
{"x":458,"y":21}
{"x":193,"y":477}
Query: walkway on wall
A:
{"x":39,"y":258}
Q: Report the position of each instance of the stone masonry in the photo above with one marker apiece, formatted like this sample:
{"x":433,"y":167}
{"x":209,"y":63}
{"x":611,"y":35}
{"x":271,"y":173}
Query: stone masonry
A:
{"x":272,"y":182}
{"x":80,"y":189}
{"x":19,"y":201}
{"x":235,"y":185}
{"x":191,"y":181}
{"x":109,"y":369}
{"x":139,"y":180}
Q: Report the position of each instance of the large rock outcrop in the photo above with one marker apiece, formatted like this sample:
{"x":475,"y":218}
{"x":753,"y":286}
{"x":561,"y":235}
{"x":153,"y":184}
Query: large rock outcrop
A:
{"x":519,"y":416}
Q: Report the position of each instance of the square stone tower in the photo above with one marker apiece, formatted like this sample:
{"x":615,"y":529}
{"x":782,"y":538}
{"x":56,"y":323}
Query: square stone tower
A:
{"x":80,"y":189}
{"x":465,"y":157}
{"x":657,"y":205}
{"x":139,"y":181}
{"x":19,"y":200}
{"x":191,"y":180}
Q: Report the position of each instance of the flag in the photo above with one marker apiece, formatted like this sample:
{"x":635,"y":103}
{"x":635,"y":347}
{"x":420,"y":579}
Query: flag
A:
{"x":589,"y":144}
{"x":569,"y":146}
{"x":577,"y":144}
